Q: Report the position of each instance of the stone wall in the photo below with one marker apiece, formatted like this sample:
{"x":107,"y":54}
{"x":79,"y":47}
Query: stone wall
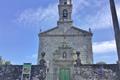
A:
{"x":96,"y":72}
{"x":83,"y":72}
{"x":12,"y":72}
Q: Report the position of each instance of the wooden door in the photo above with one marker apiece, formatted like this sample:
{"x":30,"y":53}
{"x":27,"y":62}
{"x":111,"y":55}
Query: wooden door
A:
{"x":64,"y":74}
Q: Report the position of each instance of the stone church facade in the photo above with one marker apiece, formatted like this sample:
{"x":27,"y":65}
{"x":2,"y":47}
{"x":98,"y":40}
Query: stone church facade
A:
{"x":78,"y":39}
{"x":61,"y":42}
{"x":65,"y":53}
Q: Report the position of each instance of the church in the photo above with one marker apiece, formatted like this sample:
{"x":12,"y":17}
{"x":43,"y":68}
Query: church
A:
{"x":65,"y":38}
{"x":61,"y":42}
{"x":65,"y":53}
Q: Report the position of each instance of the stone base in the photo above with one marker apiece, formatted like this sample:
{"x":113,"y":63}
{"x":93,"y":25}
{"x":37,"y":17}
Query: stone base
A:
{"x":118,"y":62}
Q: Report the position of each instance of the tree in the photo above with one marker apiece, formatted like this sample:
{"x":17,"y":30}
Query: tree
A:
{"x":7,"y":63}
{"x":4,"y":62}
{"x":1,"y":62}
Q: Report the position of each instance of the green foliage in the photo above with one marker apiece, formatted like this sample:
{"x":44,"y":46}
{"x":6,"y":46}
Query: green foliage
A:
{"x":3,"y":62}
{"x":7,"y":63}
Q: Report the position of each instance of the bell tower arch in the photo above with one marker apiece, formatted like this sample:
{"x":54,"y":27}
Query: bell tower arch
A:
{"x":65,"y":11}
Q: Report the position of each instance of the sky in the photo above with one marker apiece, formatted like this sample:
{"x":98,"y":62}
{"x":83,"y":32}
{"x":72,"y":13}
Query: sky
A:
{"x":21,"y":21}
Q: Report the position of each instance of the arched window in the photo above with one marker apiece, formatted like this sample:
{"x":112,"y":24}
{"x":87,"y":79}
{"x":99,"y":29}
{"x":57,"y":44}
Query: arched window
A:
{"x":65,"y":2}
{"x":64,"y":55}
{"x":65,"y":13}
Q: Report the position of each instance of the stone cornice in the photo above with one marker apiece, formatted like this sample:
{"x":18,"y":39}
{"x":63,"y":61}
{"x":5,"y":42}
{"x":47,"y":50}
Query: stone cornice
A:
{"x":61,"y":35}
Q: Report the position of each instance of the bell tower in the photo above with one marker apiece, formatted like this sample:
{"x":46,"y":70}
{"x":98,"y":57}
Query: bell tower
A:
{"x":65,"y":11}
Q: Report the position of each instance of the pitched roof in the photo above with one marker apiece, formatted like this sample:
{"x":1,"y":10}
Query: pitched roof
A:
{"x":49,"y":30}
{"x":81,"y":30}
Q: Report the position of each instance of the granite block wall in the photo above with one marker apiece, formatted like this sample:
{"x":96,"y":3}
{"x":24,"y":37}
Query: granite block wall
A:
{"x":83,"y":72}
